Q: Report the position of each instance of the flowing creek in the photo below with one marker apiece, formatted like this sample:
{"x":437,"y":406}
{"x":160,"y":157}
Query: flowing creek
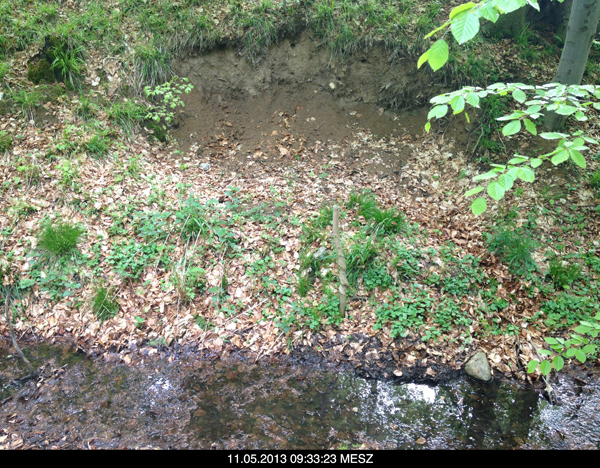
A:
{"x":187,"y":402}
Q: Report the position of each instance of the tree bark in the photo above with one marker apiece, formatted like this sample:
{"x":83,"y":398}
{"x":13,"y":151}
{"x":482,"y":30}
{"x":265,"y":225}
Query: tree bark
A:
{"x":580,"y":33}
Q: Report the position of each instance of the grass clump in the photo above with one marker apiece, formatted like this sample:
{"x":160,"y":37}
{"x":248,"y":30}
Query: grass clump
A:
{"x":515,"y":248}
{"x":311,"y":265}
{"x":563,"y":275}
{"x":59,"y":238}
{"x":189,"y":282}
{"x":390,"y":221}
{"x":26,"y":101}
{"x":104,"y":304}
{"x":98,"y":145}
{"x":151,"y":66}
{"x":360,"y":259}
{"x":5,"y":141}
{"x":128,"y":114}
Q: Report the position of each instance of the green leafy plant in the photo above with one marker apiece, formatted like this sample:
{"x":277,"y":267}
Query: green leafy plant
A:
{"x":360,"y":257}
{"x":405,"y":313}
{"x":567,"y":309}
{"x":130,"y":258}
{"x":581,"y":345}
{"x":203,"y":323}
{"x":104,"y":304}
{"x":69,"y":171}
{"x":59,"y":238}
{"x":386,"y":221}
{"x":86,"y":109}
{"x":169,"y":94}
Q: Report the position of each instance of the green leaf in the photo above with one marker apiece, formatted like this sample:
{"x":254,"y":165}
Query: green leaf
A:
{"x":428,"y":126}
{"x":565,"y":110}
{"x":438,"y":55}
{"x":545,"y":352}
{"x":464,"y":27}
{"x":473,"y":191}
{"x":519,"y":95}
{"x":580,"y":355}
{"x":423,"y":58}
{"x":536,"y":162}
{"x":531,"y":367}
{"x":511,"y":128}
{"x":473,"y":99}
{"x":560,"y":157}
{"x":458,"y":104}
{"x":518,"y":159}
{"x":526,"y":174}
{"x":487,"y":175}
{"x":495,"y":190}
{"x":530,"y":126}
{"x":588,"y":349}
{"x":489,"y":12}
{"x":570,"y":352}
{"x":460,"y":8}
{"x":467,"y":117}
{"x":478,"y":206}
{"x":545,"y":367}
{"x":438,"y":112}
{"x":558,"y":363}
{"x":577,"y":158}
{"x":508,"y":6}
{"x":582,"y":329}
{"x":552,"y":135}
{"x":550,"y":340}
{"x":505,"y":181}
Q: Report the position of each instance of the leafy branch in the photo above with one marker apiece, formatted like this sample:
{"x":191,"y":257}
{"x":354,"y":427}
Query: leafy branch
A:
{"x":578,"y":346}
{"x":170,"y":93}
{"x":572,"y":100}
{"x":464,"y":26}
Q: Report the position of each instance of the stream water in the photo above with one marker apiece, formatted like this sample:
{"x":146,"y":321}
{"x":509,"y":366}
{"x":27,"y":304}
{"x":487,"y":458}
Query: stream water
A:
{"x":191,"y":403}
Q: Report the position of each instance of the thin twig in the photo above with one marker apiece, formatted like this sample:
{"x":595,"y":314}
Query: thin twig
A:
{"x":549,"y":389}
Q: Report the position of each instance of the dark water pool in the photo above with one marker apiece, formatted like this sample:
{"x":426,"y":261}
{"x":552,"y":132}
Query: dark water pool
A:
{"x":198,"y":404}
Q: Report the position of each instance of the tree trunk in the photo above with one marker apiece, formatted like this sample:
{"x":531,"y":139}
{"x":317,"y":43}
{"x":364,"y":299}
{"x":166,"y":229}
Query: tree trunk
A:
{"x":580,"y":33}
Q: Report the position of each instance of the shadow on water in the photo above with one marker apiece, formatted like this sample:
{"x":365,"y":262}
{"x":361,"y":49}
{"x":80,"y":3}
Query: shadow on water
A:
{"x":189,"y":403}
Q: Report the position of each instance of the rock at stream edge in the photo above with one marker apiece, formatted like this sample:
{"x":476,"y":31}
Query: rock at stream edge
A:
{"x":479,"y":368}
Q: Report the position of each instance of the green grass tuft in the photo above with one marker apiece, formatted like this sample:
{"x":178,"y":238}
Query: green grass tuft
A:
{"x":59,"y":238}
{"x":515,"y":248}
{"x":104,"y":303}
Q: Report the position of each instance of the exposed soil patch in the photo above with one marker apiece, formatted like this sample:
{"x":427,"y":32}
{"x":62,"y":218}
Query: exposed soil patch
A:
{"x":296,"y":97}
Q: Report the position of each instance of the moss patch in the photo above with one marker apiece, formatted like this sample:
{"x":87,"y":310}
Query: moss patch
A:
{"x":40,"y":72}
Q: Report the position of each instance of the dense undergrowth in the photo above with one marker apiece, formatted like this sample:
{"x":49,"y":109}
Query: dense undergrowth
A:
{"x":172,"y":240}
